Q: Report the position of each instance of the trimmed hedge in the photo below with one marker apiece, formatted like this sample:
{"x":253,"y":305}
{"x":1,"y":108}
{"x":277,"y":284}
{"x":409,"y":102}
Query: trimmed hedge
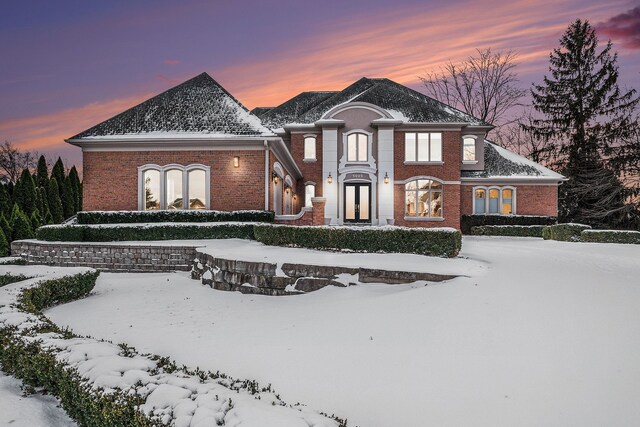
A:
{"x":508,"y":230}
{"x":126,"y":232}
{"x":611,"y":236}
{"x":564,"y":232}
{"x":13,"y":260}
{"x":469,"y":221}
{"x":122,"y":217}
{"x":422,"y":241}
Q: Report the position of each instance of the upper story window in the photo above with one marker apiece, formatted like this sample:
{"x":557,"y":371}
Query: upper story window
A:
{"x":309,"y":193}
{"x":309,"y":148}
{"x":423,"y":147}
{"x":423,"y":198}
{"x":357,"y":145}
{"x":494,"y":200}
{"x":468,"y":149}
{"x":174,"y":187}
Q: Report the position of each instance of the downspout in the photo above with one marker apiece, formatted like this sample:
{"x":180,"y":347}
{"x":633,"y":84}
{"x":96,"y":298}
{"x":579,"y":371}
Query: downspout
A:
{"x":266,"y":175}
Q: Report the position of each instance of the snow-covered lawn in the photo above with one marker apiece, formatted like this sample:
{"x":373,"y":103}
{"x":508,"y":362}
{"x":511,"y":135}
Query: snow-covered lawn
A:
{"x":546,"y":334}
{"x":17,"y":410}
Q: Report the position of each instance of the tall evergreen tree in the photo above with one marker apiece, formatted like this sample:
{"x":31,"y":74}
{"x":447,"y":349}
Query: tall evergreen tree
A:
{"x":68,"y":202}
{"x":42,"y":173}
{"x":5,"y":226}
{"x":41,"y":201}
{"x":36,"y":220}
{"x":21,"y":227}
{"x":587,"y":118}
{"x":55,"y":204}
{"x":25,"y":192}
{"x":5,"y":249}
{"x":77,"y":188}
{"x":5,"y":200}
{"x":57,"y":171}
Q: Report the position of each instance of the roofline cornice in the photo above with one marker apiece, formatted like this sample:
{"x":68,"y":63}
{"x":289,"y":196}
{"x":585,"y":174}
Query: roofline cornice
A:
{"x":166,"y":144}
{"x":519,"y":180}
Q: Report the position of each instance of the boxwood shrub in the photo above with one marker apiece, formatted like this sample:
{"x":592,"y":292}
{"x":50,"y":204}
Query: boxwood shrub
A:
{"x":442,"y":242}
{"x":122,"y":217}
{"x":611,"y":236}
{"x":508,"y":230}
{"x":468,"y":221}
{"x":564,"y":232}
{"x":126,"y":232}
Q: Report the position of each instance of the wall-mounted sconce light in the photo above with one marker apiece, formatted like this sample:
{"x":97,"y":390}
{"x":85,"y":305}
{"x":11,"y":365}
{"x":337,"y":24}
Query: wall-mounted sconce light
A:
{"x":287,"y":189}
{"x":275,"y":178}
{"x":386,"y":178}
{"x":329,"y":179}
{"x":236,"y":162}
{"x":295,"y":196}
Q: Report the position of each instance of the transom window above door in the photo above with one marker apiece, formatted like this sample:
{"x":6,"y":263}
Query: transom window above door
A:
{"x":357,"y":147}
{"x":423,"y":147}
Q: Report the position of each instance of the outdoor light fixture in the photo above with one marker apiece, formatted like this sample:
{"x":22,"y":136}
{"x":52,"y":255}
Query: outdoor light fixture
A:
{"x":286,"y":189}
{"x":295,"y":196}
{"x":386,"y":178}
{"x":236,"y":162}
{"x":275,"y":178}
{"x":329,"y":179}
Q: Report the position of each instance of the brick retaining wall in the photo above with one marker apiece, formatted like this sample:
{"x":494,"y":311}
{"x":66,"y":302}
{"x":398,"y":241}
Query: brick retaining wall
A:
{"x":111,"y":257}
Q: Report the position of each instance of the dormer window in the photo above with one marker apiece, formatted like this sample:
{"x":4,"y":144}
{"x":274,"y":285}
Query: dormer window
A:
{"x":468,"y":149}
{"x":310,"y":148}
{"x":357,"y":144}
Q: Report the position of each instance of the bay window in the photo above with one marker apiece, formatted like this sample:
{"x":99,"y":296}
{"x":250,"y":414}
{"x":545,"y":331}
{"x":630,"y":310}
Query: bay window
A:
{"x":423,"y":147}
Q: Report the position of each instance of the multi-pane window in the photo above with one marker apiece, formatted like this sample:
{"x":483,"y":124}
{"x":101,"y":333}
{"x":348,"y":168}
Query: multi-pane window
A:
{"x":468,"y":149}
{"x":309,"y":192}
{"x":174,"y":187}
{"x":423,"y":147}
{"x":357,"y":145}
{"x":494,"y":201}
{"x":310,"y":148}
{"x":423,"y":198}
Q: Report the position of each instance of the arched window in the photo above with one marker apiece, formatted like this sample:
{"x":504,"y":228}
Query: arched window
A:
{"x":309,"y":192}
{"x":197,"y":189}
{"x":357,"y":147}
{"x":171,"y":186}
{"x":468,"y":149}
{"x":494,"y":200}
{"x":309,"y":148}
{"x":423,"y":198}
{"x":480,"y":201}
{"x":151,"y":180}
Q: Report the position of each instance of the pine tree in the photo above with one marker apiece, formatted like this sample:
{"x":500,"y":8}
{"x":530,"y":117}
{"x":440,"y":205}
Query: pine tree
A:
{"x":48,"y":219}
{"x":77,"y":188}
{"x":5,"y":250}
{"x":55,"y":204}
{"x":57,"y":171}
{"x":25,"y":192}
{"x":587,"y":118}
{"x":42,"y":173}
{"x":68,"y":203}
{"x":41,"y":201}
{"x":5,"y":200}
{"x":36,"y":220}
{"x":5,"y":226}
{"x":21,"y":227}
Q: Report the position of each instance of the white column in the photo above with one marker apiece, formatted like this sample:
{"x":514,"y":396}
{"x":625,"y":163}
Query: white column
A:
{"x":330,"y":167}
{"x":385,"y":166}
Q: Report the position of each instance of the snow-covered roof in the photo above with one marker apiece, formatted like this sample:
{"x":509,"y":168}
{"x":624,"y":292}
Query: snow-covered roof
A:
{"x":199,"y":106}
{"x":258,"y":111}
{"x":289,"y":111}
{"x":406,"y":103}
{"x":502,"y":163}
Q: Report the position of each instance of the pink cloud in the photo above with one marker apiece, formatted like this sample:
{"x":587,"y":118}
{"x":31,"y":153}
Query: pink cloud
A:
{"x":624,"y":27}
{"x":171,"y":61}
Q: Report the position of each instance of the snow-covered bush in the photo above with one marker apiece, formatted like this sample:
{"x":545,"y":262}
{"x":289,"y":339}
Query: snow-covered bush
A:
{"x":442,"y":242}
{"x":121,"y":217}
{"x":508,"y":230}
{"x":104,"y":384}
{"x":127,"y":232}
{"x":611,"y":236}
{"x":564,"y":232}
{"x":468,"y":221}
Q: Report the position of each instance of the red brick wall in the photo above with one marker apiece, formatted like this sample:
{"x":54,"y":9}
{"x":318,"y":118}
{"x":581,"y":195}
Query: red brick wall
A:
{"x":530,"y":199}
{"x":448,"y":171}
{"x":295,"y":203}
{"x":311,"y":171}
{"x":111,"y":178}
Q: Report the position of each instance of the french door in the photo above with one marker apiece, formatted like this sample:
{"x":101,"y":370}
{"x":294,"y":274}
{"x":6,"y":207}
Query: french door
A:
{"x":357,"y":203}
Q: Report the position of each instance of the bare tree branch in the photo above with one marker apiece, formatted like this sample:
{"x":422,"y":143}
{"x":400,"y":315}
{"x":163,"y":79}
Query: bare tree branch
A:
{"x":13,"y":161}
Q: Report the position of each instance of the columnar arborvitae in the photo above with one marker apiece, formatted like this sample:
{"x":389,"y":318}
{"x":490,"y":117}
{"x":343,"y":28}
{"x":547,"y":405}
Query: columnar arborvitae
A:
{"x":77,"y":188}
{"x":21,"y":227}
{"x":68,"y":202}
{"x":25,"y":192}
{"x":55,"y":204}
{"x":5,"y":226}
{"x":588,"y":119}
{"x":5,"y":201}
{"x":42,"y":173}
{"x":57,"y":171}
{"x":36,"y":220}
{"x":5,"y":250}
{"x":41,"y":201}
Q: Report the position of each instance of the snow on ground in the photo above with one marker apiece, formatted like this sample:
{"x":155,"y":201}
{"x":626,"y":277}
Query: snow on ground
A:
{"x":17,"y":410}
{"x":546,"y":334}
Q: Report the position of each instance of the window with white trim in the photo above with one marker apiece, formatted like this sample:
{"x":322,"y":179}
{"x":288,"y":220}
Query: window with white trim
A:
{"x":310,"y":148}
{"x":357,"y":147}
{"x":468,"y":149}
{"x":309,"y":192}
{"x":494,"y":200}
{"x":423,"y":146}
{"x":423,"y":198}
{"x":174,"y":187}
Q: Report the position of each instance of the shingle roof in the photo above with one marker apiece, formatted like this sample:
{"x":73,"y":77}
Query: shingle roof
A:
{"x":198,"y":106}
{"x":258,"y":111}
{"x":502,"y":163}
{"x":290,"y":110}
{"x":401,"y":101}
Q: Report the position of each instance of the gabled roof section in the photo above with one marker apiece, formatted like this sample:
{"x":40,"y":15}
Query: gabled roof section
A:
{"x":258,"y":111}
{"x":400,"y":101}
{"x":289,"y":111}
{"x":502,"y":163}
{"x":198,"y":106}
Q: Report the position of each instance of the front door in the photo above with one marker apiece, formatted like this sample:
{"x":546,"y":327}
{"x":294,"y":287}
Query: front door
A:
{"x":357,"y":202}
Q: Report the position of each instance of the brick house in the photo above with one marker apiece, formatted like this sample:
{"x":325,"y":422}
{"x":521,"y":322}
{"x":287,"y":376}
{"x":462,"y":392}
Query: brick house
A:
{"x":374,"y":153}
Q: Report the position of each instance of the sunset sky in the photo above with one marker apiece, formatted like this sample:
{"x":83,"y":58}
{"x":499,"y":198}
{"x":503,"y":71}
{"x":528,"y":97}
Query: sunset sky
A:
{"x":67,"y":65}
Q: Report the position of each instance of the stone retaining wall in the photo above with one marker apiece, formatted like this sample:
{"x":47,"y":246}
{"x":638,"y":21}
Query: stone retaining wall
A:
{"x":111,"y":257}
